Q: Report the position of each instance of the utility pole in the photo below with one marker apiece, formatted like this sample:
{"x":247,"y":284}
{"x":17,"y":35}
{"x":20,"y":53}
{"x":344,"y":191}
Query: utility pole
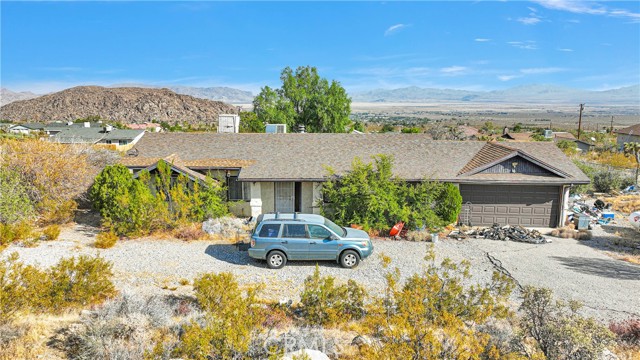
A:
{"x":611,"y":128}
{"x":580,"y":121}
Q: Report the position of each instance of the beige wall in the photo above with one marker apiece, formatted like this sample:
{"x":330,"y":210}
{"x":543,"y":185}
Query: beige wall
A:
{"x":307,"y":198}
{"x":268,"y":197}
{"x":240,"y":208}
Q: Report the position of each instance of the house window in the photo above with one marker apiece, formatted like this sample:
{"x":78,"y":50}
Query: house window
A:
{"x":107,"y":141}
{"x":123,"y":142}
{"x":238,"y":190}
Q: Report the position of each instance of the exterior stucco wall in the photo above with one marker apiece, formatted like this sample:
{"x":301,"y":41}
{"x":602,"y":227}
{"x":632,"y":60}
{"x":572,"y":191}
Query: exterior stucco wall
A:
{"x":307,"y":198}
{"x":240,"y":208}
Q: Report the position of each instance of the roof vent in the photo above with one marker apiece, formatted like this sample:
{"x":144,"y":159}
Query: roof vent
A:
{"x":69,"y":123}
{"x":301,"y":129}
{"x":87,"y":124}
{"x":108,"y":128}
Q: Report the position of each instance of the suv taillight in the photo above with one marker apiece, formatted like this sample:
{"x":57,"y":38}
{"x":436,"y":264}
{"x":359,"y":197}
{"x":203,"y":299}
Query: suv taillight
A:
{"x":253,"y":242}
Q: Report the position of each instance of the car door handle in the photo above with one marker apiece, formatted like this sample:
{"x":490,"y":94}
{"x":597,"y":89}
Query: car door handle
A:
{"x":284,"y":242}
{"x":312,"y":242}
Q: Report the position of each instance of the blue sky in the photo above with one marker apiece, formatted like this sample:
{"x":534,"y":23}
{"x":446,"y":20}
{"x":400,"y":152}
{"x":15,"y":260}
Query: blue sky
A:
{"x":481,"y":45}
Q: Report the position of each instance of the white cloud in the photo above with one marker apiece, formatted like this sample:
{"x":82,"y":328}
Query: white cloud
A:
{"x":565,"y":49}
{"x":526,"y":45}
{"x":482,"y":40}
{"x":532,"y":20}
{"x":507,"y":77}
{"x":394,"y":29}
{"x":588,"y":7}
{"x":546,"y":70}
{"x":453,"y":70}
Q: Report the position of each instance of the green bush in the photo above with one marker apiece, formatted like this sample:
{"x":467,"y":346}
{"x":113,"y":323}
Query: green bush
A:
{"x":15,"y":205}
{"x":370,"y":195}
{"x":325,"y":303}
{"x":69,"y":284}
{"x":232,"y":320}
{"x":605,"y":181}
{"x":106,"y":240}
{"x":139,"y":206}
{"x":15,"y":232}
{"x":51,"y":232}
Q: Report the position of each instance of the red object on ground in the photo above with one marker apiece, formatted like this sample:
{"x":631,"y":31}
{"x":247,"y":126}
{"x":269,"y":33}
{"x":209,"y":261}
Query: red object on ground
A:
{"x":395,"y":230}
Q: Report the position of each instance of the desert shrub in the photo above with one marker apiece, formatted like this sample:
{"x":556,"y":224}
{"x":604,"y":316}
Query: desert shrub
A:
{"x":567,"y":146}
{"x":189,"y":232}
{"x":51,"y":232}
{"x":55,"y":175}
{"x":605,"y":181}
{"x":627,"y":331}
{"x":587,"y":170}
{"x":559,"y":332}
{"x":325,"y":303}
{"x":615,"y":159}
{"x":371,"y":196}
{"x":79,"y":282}
{"x":434,"y":314}
{"x":15,"y":205}
{"x":123,"y":328}
{"x":106,"y":240}
{"x":14,"y":280}
{"x":419,"y":235}
{"x":232,"y":320}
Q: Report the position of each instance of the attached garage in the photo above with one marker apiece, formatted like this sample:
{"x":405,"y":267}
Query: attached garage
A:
{"x":526,"y":205}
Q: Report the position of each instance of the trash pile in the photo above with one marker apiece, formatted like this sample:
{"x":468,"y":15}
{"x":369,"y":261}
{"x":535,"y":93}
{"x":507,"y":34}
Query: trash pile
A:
{"x":597,"y":214}
{"x":504,"y":233}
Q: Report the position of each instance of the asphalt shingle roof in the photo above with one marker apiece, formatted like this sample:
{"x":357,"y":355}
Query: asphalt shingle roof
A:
{"x":77,"y":134}
{"x":304,"y":157}
{"x":631,"y":130}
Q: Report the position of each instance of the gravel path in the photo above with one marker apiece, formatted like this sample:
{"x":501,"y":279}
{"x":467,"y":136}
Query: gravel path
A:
{"x":609,"y":288}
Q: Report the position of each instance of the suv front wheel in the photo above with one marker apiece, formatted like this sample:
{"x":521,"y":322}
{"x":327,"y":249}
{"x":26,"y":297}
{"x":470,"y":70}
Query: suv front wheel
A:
{"x":276,"y":260}
{"x":349,"y":259}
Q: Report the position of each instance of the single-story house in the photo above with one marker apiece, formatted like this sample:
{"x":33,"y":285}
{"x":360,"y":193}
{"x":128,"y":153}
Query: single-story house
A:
{"x":118,"y":139}
{"x":26,"y":128}
{"x":585,"y":146}
{"x":628,"y":134}
{"x":520,"y":183}
{"x":563,"y":135}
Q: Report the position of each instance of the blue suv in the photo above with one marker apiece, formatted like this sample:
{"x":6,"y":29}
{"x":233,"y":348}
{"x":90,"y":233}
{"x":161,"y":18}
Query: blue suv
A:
{"x":278,"y":238}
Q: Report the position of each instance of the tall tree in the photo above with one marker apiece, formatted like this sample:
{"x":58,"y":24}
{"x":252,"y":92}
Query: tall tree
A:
{"x":634,"y":149}
{"x":305,"y":99}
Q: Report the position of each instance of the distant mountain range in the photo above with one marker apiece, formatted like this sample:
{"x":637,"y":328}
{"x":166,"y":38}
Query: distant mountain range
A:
{"x":8,"y":96}
{"x":126,"y":105}
{"x":526,"y":94}
{"x":548,"y":94}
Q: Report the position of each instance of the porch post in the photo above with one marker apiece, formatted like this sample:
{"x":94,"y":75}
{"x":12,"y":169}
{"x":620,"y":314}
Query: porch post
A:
{"x":256,"y":200}
{"x":317,"y":197}
{"x":564,"y":206}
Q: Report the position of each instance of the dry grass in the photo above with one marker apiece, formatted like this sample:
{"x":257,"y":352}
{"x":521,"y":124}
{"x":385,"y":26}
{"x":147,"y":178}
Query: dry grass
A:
{"x":27,"y":338}
{"x":569,"y":232}
{"x":189,"y":232}
{"x":626,"y":203}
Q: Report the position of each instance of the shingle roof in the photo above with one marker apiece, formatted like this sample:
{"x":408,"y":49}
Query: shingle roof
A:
{"x":631,"y":130}
{"x":304,"y":157}
{"x":489,"y":153}
{"x":93,"y":134}
{"x":177,"y":165}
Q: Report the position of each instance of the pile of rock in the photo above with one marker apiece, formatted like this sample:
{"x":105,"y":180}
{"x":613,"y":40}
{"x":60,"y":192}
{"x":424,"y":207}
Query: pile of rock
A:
{"x":227,"y":227}
{"x":513,"y":233}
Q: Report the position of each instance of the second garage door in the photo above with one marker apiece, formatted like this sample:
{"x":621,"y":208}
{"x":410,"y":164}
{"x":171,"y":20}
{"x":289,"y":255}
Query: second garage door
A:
{"x":535,"y":206}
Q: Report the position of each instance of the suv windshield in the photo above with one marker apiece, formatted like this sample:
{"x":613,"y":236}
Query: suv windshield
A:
{"x":335,"y":228}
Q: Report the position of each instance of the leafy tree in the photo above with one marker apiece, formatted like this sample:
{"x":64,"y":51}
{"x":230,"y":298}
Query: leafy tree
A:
{"x":517,"y":128}
{"x":305,"y":99}
{"x":249,"y":123}
{"x":448,"y":203}
{"x":387,"y":128}
{"x":567,"y":146}
{"x":489,"y":128}
{"x":359,"y":126}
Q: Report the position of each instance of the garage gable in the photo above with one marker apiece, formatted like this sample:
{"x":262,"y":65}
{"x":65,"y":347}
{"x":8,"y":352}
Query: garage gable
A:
{"x":495,"y":158}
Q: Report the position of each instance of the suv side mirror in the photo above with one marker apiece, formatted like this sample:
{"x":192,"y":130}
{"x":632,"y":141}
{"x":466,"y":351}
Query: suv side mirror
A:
{"x":333,"y":237}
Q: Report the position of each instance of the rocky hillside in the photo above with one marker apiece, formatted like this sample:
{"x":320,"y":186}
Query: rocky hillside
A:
{"x":7,"y":96}
{"x":127,"y":105}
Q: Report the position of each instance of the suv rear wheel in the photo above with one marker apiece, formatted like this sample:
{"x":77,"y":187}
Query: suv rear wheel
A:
{"x":276,"y":260}
{"x":349,"y":259}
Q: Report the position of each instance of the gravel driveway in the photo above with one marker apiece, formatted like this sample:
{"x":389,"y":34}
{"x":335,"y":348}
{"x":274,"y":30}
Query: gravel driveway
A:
{"x":609,"y":288}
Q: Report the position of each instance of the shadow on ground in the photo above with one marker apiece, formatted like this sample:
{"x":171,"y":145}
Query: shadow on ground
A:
{"x":601,"y":267}
{"x":237,"y":254}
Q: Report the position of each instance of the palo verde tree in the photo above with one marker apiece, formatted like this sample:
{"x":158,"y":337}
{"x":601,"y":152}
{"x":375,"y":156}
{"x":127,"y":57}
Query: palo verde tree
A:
{"x":305,"y":99}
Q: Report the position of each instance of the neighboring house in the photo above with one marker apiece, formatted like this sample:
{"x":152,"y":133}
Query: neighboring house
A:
{"x":561,"y":135}
{"x":107,"y":136}
{"x":585,"y":146}
{"x":469,"y":132}
{"x":519,"y":183}
{"x":628,"y":134}
{"x":150,"y":127}
{"x":523,"y":136}
{"x":27,"y":128}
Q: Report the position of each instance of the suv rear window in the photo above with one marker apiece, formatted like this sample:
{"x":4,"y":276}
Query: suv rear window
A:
{"x":269,"y":230}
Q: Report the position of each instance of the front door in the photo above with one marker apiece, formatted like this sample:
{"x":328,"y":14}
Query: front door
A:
{"x":285,"y":197}
{"x":321,"y":247}
{"x":295,"y":240}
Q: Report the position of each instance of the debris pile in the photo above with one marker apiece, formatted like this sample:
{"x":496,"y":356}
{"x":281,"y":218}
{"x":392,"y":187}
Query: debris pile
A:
{"x":504,"y":233}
